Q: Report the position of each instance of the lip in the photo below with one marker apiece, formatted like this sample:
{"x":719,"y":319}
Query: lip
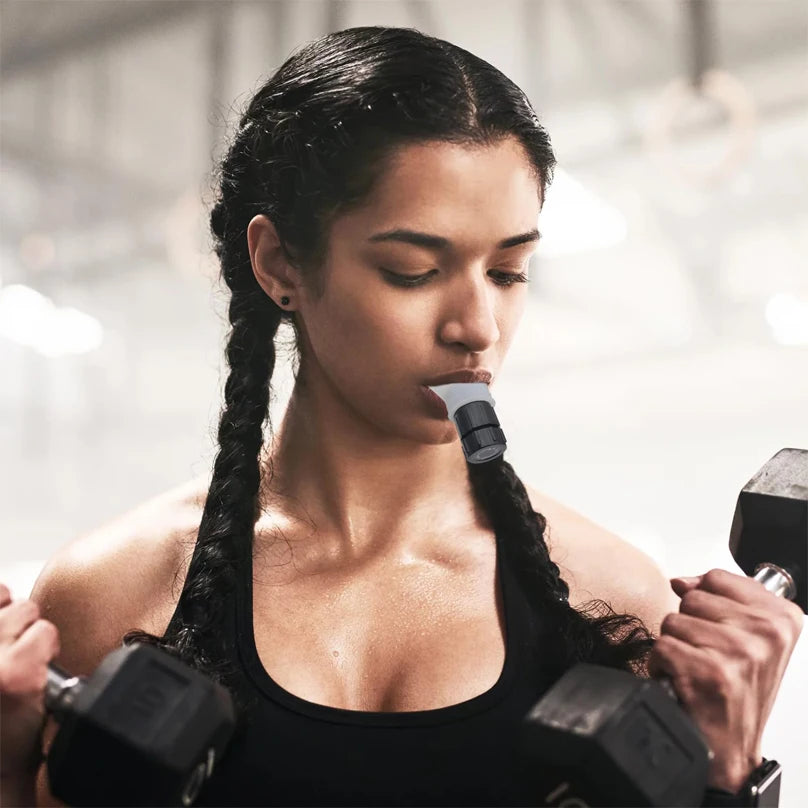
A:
{"x":464,"y":375}
{"x":436,"y":403}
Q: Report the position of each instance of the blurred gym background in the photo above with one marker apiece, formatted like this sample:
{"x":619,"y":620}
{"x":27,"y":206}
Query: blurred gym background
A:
{"x":663,"y":357}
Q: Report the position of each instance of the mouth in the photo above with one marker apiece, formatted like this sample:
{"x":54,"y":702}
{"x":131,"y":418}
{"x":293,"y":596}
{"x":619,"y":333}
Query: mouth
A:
{"x":466,"y":375}
{"x":437,"y":404}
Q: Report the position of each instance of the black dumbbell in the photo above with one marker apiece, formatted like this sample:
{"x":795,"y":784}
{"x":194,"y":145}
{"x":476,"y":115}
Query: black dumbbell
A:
{"x":623,"y":741}
{"x":143,"y":729}
{"x":771,"y":523}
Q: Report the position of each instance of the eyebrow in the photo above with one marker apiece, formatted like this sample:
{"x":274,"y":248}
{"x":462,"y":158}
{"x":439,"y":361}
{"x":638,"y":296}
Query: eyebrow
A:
{"x":432,"y":242}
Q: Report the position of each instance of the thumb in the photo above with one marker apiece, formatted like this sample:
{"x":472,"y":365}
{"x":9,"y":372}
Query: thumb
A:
{"x":682,"y":585}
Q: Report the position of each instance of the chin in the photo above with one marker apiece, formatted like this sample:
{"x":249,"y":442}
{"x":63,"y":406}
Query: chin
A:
{"x":444,"y":433}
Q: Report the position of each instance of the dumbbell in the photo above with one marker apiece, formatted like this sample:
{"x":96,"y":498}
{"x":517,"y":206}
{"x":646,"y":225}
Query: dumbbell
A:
{"x":623,"y":741}
{"x":143,"y":729}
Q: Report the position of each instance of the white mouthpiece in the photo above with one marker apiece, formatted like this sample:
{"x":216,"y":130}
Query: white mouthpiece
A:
{"x":457,"y":394}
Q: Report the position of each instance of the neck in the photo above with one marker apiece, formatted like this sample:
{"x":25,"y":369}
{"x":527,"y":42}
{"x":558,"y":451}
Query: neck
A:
{"x":366,"y":491}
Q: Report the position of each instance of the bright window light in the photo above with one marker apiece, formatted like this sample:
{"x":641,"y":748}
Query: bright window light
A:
{"x":31,"y":319}
{"x":574,"y":219}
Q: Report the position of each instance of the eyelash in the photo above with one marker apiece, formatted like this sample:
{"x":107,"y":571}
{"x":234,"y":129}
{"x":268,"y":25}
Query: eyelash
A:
{"x":406,"y":281}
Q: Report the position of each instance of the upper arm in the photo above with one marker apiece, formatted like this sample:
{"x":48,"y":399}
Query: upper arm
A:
{"x":99,"y":587}
{"x":124,"y":575}
{"x":69,"y":596}
{"x":639,"y":587}
{"x":596,"y":563}
{"x":75,"y":595}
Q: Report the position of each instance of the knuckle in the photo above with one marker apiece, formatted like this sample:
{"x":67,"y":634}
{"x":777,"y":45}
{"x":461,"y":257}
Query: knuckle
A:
{"x":779,"y":632}
{"x":795,"y":614}
{"x":668,"y":622}
{"x":690,"y":600}
{"x":785,"y":632}
{"x":714,"y":577}
{"x":29,"y":609}
{"x":5,"y":593}
{"x":720,"y":680}
{"x":758,"y":653}
{"x":664,"y":648}
{"x":50,"y":632}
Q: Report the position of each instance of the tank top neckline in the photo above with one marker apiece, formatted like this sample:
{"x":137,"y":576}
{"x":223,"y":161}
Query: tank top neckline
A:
{"x":260,"y":678}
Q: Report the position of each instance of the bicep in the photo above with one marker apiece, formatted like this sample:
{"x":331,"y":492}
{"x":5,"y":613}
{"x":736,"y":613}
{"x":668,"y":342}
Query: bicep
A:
{"x":599,"y":564}
{"x":62,"y":594}
{"x":633,"y":583}
{"x":74,"y":595}
{"x":72,"y":598}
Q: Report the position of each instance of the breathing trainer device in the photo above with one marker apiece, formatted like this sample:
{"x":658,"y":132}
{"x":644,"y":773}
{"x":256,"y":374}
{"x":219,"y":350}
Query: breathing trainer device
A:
{"x":471,"y":407}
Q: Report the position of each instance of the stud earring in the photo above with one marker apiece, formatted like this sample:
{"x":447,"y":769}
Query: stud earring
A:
{"x":284,"y":301}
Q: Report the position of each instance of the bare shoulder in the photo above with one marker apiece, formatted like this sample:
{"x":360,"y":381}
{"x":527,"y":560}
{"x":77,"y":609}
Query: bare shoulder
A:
{"x":596,"y":563}
{"x":125,"y":574}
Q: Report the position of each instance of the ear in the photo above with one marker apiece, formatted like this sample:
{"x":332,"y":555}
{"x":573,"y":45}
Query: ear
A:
{"x":276,"y":276}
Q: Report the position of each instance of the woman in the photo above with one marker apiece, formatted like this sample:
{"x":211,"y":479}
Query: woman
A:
{"x":384,"y":612}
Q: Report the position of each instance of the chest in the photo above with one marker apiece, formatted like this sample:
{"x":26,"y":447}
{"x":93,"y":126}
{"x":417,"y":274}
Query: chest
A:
{"x":397,"y":637}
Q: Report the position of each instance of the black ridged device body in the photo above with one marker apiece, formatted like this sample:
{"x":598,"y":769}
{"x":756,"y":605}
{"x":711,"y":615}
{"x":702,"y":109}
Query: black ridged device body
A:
{"x":480,"y":432}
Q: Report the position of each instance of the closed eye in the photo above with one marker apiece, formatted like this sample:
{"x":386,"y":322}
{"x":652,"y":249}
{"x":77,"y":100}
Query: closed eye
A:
{"x":502,"y":278}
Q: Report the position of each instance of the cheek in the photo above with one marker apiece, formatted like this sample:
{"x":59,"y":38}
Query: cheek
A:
{"x":511,"y":318}
{"x":359,"y":336}
{"x":402,"y":324}
{"x":373,"y":320}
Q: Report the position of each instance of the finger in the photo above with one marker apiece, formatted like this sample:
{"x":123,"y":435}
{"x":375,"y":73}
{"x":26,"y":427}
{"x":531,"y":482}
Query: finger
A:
{"x":684,"y":664}
{"x":705,"y":634}
{"x":42,"y":637}
{"x":5,"y":595}
{"x":736,"y":587}
{"x":682,"y":584}
{"x":23,"y":668}
{"x":16,"y":617}
{"x":709,"y":606}
{"x":770,"y":617}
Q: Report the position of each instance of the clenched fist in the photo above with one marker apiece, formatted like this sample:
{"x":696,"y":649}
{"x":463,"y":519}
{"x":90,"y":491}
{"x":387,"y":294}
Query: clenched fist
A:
{"x":726,"y":651}
{"x":27,"y":645}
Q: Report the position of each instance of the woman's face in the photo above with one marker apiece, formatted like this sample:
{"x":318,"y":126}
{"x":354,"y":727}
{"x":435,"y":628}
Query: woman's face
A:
{"x":375,"y":343}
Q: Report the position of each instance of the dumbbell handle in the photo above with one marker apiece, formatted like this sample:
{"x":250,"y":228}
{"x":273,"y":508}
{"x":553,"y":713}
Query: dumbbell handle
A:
{"x":777,"y":580}
{"x":61,"y":689}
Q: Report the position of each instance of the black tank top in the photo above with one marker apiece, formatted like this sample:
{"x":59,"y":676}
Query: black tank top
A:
{"x":295,"y":752}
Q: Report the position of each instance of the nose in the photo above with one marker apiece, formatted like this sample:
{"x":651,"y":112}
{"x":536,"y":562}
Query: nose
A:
{"x":470,"y":314}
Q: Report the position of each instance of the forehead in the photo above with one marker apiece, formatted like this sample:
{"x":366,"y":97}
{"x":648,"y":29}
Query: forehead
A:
{"x":473,"y":195}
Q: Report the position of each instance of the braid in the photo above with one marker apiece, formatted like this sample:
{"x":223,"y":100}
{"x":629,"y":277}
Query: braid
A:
{"x":226,"y":530}
{"x":225,"y":535}
{"x":580,"y":636}
{"x":228,"y":519}
{"x":310,"y":146}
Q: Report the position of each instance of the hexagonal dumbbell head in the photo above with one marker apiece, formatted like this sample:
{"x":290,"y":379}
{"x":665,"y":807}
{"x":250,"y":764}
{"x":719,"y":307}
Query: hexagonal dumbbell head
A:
{"x":618,"y":739}
{"x":771,"y":520}
{"x":143,"y":729}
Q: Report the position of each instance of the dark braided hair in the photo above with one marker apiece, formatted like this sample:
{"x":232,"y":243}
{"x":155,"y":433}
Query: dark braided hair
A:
{"x":309,"y":147}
